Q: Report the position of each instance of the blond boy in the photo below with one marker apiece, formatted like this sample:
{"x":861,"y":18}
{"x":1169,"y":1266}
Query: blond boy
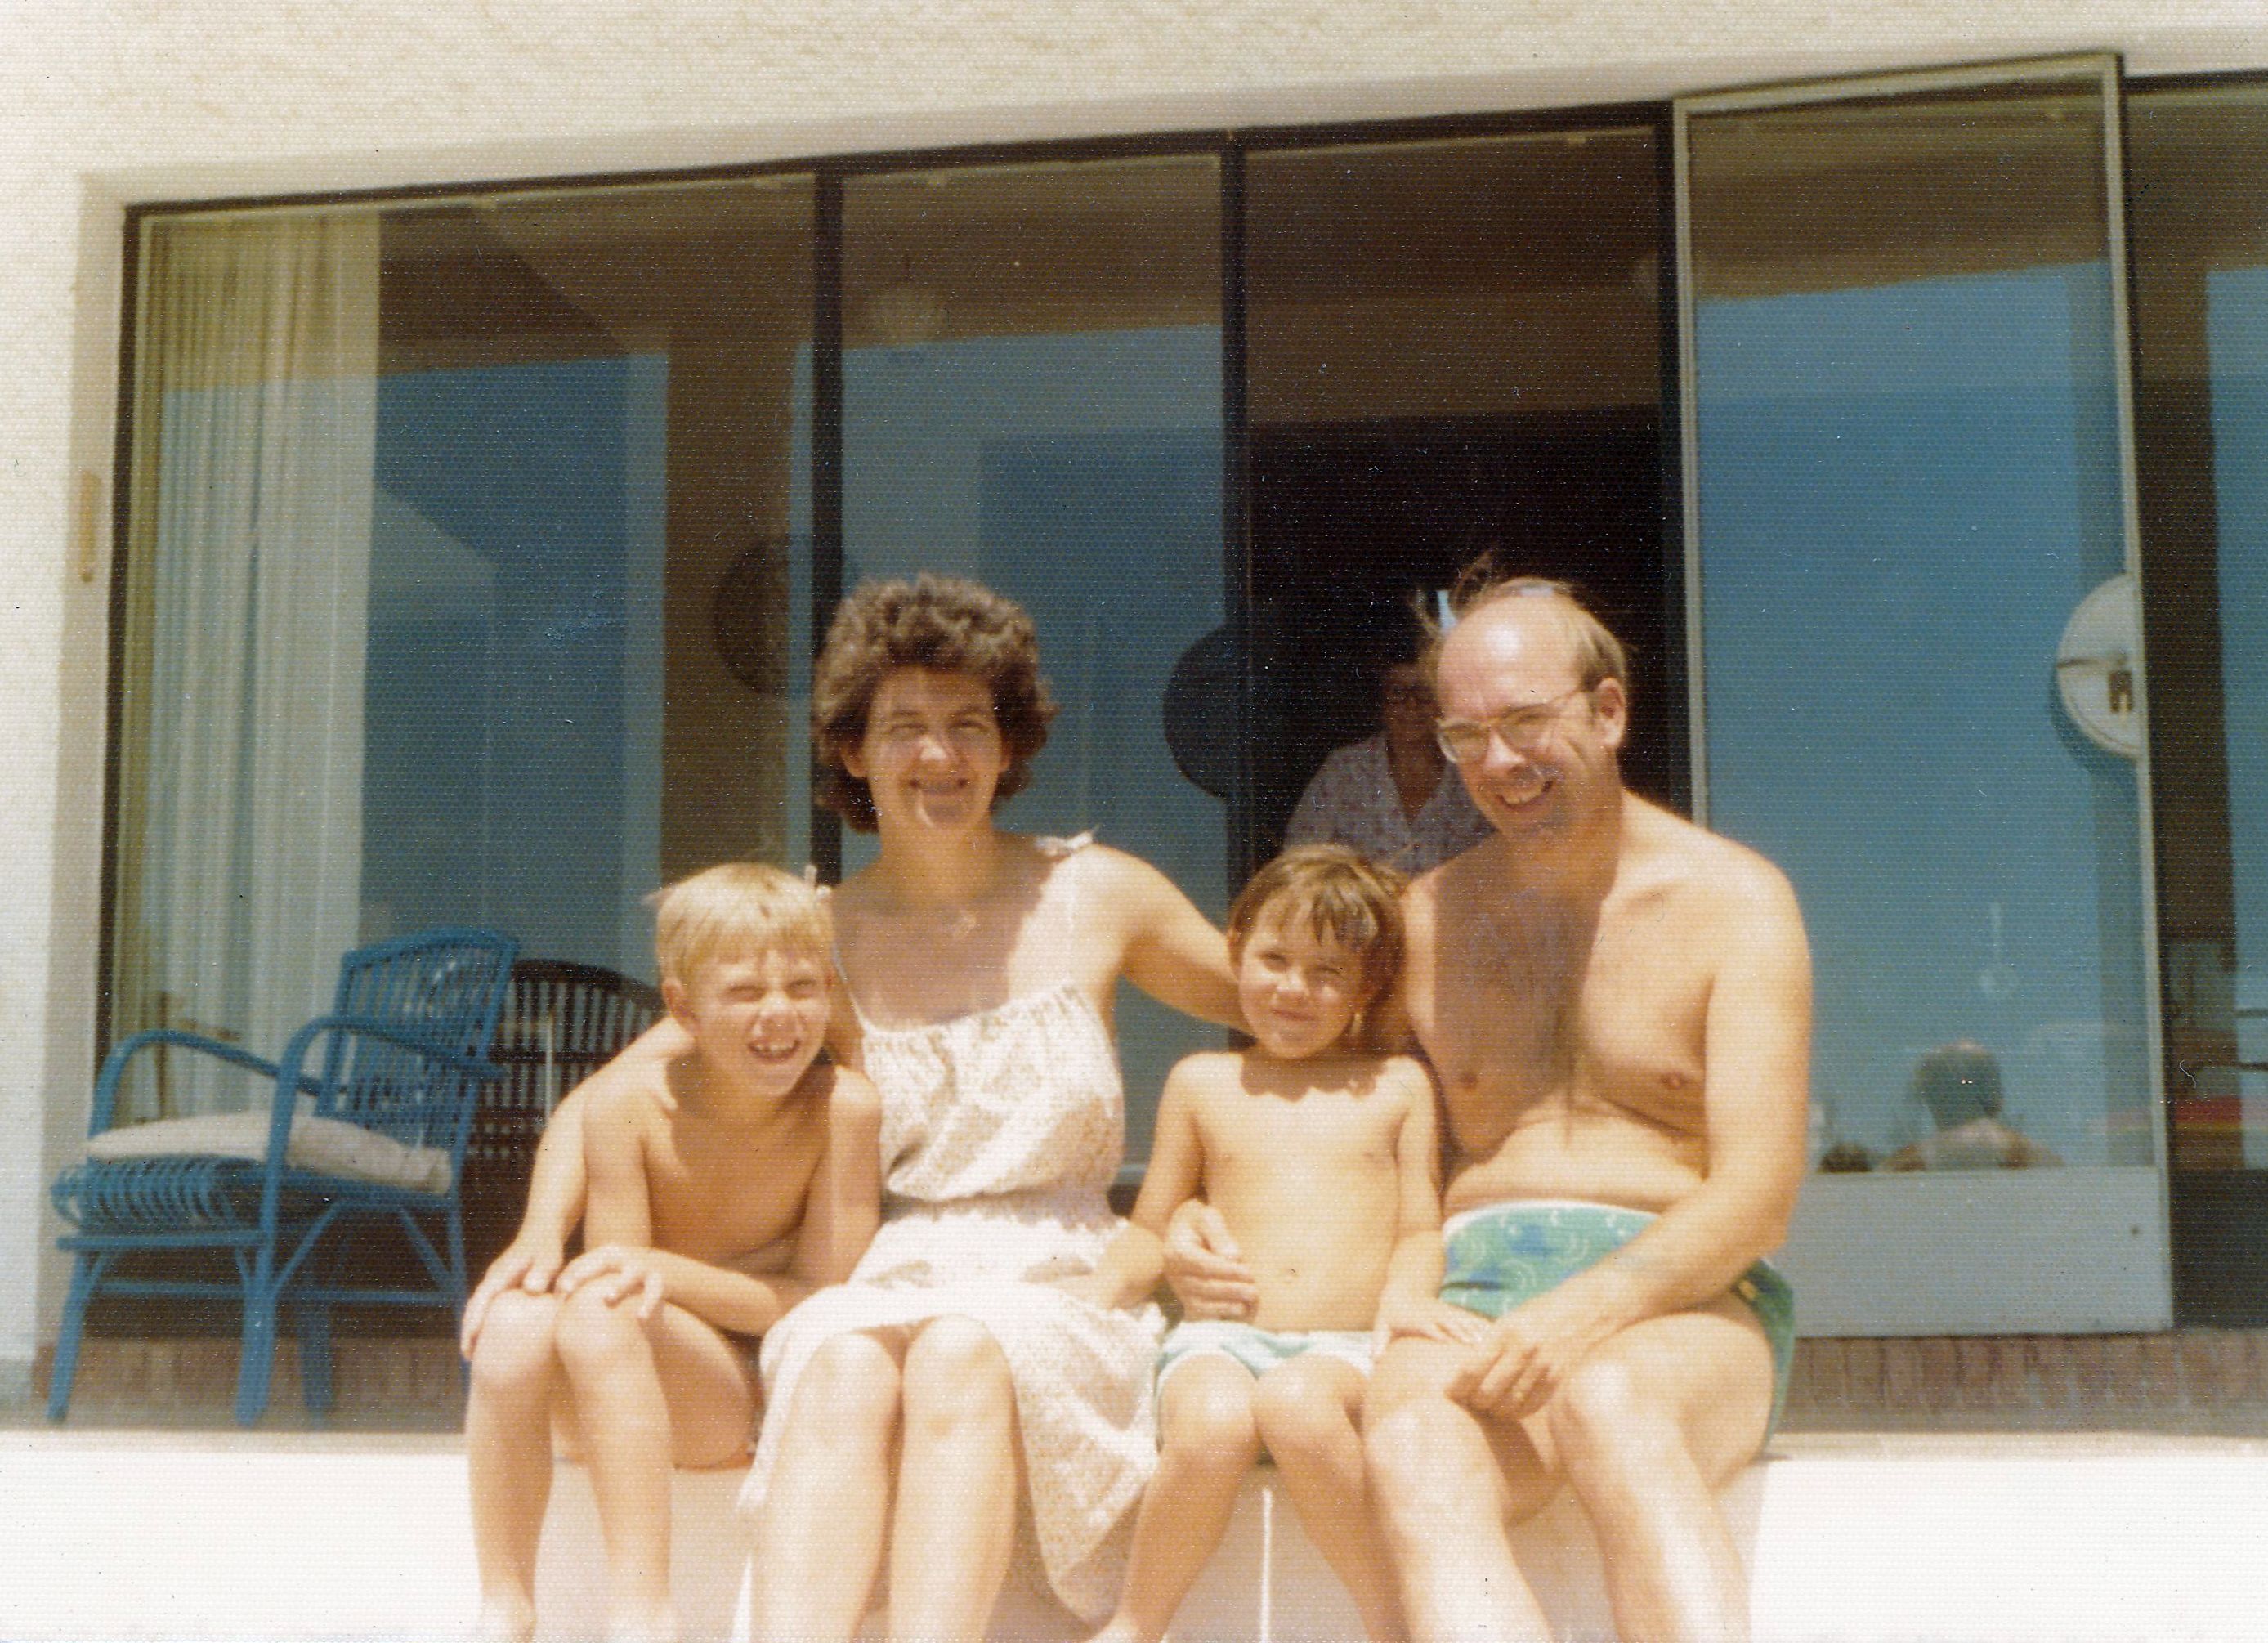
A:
{"x":1318,"y":1157}
{"x":723,"y":1186}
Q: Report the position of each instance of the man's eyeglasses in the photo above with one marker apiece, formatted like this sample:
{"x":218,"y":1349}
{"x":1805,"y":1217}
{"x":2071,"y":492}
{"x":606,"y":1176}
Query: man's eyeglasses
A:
{"x":1523,"y":729}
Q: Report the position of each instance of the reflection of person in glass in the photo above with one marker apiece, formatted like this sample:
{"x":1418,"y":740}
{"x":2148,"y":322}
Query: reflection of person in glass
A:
{"x":1960,"y":1083}
{"x":1386,"y":796}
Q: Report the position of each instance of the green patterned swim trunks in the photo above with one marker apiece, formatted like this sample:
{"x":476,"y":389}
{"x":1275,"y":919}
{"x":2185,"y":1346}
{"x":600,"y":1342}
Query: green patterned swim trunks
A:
{"x":1503,"y":1254}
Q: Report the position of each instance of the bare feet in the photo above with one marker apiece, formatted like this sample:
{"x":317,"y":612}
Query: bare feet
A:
{"x":505,"y":1620}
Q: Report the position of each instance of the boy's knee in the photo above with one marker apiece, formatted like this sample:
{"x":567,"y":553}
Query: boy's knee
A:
{"x":1300,"y":1408}
{"x":1207,"y":1411}
{"x":518,"y":1339}
{"x":592,"y":1330}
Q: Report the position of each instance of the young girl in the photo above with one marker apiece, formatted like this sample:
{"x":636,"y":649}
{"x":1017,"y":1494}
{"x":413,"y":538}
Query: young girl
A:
{"x":1319,"y":1154}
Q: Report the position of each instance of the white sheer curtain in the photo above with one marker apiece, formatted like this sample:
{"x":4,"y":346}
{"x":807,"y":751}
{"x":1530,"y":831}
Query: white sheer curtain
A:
{"x":240,"y":846}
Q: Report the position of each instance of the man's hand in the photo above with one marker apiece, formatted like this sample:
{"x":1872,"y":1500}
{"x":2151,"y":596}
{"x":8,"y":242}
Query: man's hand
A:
{"x":1207,"y":1271}
{"x":1524,"y":1358}
{"x":620,"y":1271}
{"x":527,"y":1264}
{"x":1430,"y":1319}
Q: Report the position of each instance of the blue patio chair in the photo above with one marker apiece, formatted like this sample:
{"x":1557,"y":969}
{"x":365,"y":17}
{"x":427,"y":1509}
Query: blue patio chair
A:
{"x":371,"y":1109}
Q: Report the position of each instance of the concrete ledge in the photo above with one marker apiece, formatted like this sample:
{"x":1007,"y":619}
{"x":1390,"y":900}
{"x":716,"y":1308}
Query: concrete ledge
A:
{"x":178,"y":1538}
{"x":2056,"y":1540}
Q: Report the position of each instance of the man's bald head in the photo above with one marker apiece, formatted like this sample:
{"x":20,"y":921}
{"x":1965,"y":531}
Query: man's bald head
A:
{"x":1596,"y":653}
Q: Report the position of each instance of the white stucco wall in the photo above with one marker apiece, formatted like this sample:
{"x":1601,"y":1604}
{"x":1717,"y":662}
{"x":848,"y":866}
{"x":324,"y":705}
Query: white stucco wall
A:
{"x":102,"y":105}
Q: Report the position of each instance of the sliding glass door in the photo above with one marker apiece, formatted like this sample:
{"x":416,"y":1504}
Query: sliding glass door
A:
{"x":1918,"y":672}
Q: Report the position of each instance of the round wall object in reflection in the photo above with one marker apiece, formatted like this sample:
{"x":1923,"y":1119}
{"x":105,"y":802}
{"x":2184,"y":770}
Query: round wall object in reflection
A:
{"x":747,"y":614}
{"x":1204,"y":712}
{"x":2099,"y":665}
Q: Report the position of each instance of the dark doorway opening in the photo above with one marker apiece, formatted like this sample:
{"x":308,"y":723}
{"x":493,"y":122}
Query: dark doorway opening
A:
{"x":1349,"y":521}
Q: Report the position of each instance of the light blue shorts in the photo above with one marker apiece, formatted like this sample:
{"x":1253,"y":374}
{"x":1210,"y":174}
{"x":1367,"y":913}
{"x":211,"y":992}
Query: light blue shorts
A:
{"x":1259,"y":1350}
{"x":1503,"y":1254}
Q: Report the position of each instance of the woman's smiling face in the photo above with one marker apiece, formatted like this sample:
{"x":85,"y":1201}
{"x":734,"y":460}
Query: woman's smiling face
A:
{"x":932,"y":753}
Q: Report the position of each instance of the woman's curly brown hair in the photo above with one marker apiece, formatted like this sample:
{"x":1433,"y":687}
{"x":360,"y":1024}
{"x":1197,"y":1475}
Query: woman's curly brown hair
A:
{"x":944,"y":622}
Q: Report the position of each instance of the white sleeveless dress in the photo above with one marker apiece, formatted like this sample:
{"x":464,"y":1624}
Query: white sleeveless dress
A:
{"x":1001,"y":1132}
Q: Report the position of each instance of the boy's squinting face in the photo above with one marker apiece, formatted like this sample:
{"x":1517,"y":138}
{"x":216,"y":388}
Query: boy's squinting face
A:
{"x":1301,"y":991}
{"x":756,"y":1019}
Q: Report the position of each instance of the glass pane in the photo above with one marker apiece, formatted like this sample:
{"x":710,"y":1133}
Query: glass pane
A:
{"x":1905,"y":347}
{"x":1450,"y":347}
{"x":1032,"y":397}
{"x":461,"y":553}
{"x":2201,"y":410}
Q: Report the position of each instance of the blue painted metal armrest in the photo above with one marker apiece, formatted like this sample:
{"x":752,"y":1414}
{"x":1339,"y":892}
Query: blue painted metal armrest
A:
{"x":295,"y":1056}
{"x":114,"y":1065}
{"x":295,"y":1053}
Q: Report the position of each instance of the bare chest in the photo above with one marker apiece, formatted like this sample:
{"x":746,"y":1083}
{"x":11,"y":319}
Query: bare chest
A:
{"x":721,"y":1196}
{"x":1557,"y":1016}
{"x":1254,"y":1143}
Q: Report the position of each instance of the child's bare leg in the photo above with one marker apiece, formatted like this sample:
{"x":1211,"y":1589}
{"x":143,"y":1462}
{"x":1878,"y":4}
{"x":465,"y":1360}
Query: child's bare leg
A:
{"x":647,"y":1393}
{"x":508,"y":1456}
{"x":1207,"y":1442}
{"x":1309,"y":1413}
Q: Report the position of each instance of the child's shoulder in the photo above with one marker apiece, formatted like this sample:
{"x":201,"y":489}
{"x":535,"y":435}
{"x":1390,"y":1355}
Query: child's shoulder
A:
{"x":1405,"y":1069}
{"x":622,"y":1109}
{"x":1396,"y":1077}
{"x":1207,"y":1069}
{"x":1209,"y":1063}
{"x":627,"y":1091}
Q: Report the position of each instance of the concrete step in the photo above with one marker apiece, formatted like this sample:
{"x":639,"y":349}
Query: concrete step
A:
{"x":128,"y":1536}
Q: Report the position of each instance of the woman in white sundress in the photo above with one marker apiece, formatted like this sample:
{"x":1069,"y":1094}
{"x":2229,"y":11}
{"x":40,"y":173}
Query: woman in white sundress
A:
{"x":989,"y":1361}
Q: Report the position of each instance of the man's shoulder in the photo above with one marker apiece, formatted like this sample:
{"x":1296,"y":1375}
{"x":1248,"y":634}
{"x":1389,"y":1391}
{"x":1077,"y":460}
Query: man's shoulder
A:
{"x":1454,"y":881}
{"x":1671,"y":853}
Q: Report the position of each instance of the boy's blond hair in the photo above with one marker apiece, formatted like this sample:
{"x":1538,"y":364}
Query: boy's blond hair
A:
{"x":1342,"y":895}
{"x":733,"y":908}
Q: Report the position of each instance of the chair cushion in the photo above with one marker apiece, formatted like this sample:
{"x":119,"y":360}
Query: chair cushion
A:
{"x":329,"y":1146}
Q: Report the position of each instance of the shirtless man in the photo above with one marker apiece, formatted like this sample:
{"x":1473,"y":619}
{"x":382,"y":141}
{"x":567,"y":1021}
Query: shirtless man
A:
{"x":1616,"y":1006}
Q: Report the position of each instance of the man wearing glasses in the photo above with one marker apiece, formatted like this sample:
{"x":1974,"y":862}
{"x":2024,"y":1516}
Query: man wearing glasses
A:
{"x":1617,"y":1004}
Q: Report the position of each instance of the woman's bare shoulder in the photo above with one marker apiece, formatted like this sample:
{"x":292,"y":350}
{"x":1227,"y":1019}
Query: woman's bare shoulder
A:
{"x":851,"y":1096}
